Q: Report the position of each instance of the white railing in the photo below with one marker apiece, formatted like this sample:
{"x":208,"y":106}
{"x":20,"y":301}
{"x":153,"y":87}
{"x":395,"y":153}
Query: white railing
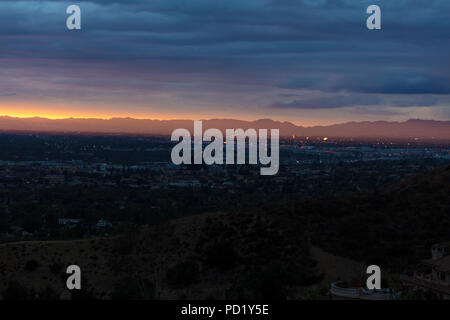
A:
{"x":358,"y":293}
{"x":337,"y":290}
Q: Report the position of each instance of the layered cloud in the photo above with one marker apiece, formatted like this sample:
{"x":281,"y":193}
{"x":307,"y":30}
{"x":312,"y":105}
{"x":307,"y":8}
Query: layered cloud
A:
{"x":389,"y":82}
{"x":335,"y":101}
{"x":227,"y":57}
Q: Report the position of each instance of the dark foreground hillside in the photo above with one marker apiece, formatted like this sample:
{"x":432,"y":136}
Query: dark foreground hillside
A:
{"x":223,"y":255}
{"x":393,"y":227}
{"x":266,"y":252}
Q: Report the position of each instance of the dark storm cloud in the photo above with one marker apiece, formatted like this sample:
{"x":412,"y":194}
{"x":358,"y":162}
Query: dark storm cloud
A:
{"x":399,"y":83}
{"x":328,"y":102}
{"x":233,"y":27}
{"x":341,"y":101}
{"x":319,"y":45}
{"x":7,"y":94}
{"x":390,"y":82}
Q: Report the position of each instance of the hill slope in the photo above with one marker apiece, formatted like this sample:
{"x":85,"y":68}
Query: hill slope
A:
{"x":259,"y":253}
{"x":220,"y":255}
{"x":394,"y":227}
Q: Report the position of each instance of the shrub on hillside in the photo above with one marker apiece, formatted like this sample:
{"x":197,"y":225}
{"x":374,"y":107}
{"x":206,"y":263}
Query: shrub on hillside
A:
{"x":182,"y":274}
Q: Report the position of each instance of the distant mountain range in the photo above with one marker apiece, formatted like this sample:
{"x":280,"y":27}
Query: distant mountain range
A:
{"x":415,"y":128}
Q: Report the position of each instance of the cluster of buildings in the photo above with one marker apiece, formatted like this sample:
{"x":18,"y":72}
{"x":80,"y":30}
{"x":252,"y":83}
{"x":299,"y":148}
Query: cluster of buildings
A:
{"x":431,"y":277}
{"x":306,"y":161}
{"x":433,"y":274}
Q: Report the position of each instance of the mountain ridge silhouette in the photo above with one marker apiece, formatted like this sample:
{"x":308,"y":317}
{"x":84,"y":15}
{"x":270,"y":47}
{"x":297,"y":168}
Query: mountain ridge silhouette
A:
{"x":413,"y":128}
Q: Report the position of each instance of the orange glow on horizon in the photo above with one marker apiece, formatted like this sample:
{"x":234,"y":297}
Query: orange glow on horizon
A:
{"x":56,"y":112}
{"x":25,"y":111}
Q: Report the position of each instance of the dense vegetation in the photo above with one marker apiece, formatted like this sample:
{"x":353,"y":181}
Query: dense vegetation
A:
{"x":394,"y":227}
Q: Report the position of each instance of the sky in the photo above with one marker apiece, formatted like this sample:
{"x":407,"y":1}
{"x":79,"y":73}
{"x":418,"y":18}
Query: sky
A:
{"x":305,"y":61}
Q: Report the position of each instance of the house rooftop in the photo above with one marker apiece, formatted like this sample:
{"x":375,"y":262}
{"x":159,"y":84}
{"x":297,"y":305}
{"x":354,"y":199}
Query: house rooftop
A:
{"x":441,"y":245}
{"x":442,"y":264}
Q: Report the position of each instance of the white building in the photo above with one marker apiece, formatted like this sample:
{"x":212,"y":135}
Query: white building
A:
{"x":433,"y":274}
